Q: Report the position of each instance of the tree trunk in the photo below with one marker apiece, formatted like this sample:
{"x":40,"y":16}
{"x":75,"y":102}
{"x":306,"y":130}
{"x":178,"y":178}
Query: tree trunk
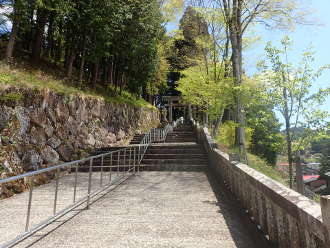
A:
{"x":205,"y":119}
{"x":105,"y":73}
{"x":59,"y":43}
{"x":288,"y":135}
{"x":29,"y":38}
{"x":82,"y":65}
{"x":234,"y":22}
{"x":95,"y":75}
{"x":12,"y":39}
{"x":40,"y":29}
{"x":82,"y":61}
{"x":218,"y":123}
{"x":50,"y":35}
{"x":110,"y":72}
{"x":70,"y":64}
{"x":236,"y":41}
{"x":299,"y":175}
{"x":121,"y":84}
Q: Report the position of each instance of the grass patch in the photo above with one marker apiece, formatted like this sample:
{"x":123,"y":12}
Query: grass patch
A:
{"x":28,"y":77}
{"x":226,"y":142}
{"x":12,"y":97}
{"x":261,"y":165}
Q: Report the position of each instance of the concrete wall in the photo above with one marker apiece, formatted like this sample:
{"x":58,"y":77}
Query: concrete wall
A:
{"x":287,"y":218}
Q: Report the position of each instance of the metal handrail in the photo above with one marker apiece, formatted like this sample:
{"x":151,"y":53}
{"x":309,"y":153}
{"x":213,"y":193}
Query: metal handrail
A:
{"x":156,"y":134}
{"x":128,"y":159}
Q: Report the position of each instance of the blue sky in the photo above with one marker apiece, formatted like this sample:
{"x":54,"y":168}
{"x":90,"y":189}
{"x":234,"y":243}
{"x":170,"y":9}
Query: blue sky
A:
{"x":302,"y":37}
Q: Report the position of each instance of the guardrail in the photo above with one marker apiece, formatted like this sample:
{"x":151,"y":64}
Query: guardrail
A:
{"x":112,"y":167}
{"x":285,"y":217}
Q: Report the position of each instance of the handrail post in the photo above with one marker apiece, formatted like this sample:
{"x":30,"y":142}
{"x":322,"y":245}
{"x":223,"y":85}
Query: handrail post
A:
{"x":56,"y":190}
{"x":130,"y":160}
{"x":139,"y":153}
{"x":134,"y":161}
{"x":75,"y":183}
{"x":28,"y":214}
{"x":110,"y":167}
{"x":325,"y":209}
{"x":118,"y":161}
{"x":124,"y":165}
{"x":101,"y":179}
{"x":89,"y":182}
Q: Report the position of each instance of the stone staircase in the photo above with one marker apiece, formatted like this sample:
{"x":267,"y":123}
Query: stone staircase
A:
{"x":180,"y":152}
{"x":182,"y":133}
{"x":137,"y":139}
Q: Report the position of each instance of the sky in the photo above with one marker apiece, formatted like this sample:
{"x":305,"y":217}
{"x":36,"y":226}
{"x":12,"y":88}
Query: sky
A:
{"x":303,"y":36}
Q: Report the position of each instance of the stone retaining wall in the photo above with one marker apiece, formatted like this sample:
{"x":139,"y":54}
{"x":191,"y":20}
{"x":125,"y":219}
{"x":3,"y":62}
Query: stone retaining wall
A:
{"x":287,"y":218}
{"x":40,"y":128}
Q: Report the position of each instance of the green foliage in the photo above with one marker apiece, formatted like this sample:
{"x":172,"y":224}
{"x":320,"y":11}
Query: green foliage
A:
{"x":20,"y":77}
{"x":227,"y":132}
{"x":267,"y":140}
{"x":199,"y":88}
{"x":200,"y":56}
{"x":99,"y":42}
{"x":171,"y":8}
{"x":263,"y":167}
{"x":289,"y":89}
{"x":322,"y":145}
{"x":185,"y":48}
{"x":11,"y":97}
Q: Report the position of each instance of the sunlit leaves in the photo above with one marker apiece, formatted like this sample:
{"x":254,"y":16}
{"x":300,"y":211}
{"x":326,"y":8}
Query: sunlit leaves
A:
{"x":300,"y":107}
{"x":199,"y":88}
{"x":171,"y":8}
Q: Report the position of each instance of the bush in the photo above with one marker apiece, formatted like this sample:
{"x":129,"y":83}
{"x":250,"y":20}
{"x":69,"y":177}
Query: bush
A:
{"x":227,"y":134}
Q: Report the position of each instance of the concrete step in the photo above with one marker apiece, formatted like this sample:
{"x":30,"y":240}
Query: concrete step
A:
{"x":187,"y":145}
{"x":174,"y":139}
{"x":174,"y":151}
{"x":175,"y":156}
{"x":97,"y":168}
{"x":180,"y":137}
{"x":135,"y":142}
{"x":183,"y":130}
{"x":181,"y":134}
{"x":174,"y":161}
{"x":174,"y":167}
{"x":137,"y":139}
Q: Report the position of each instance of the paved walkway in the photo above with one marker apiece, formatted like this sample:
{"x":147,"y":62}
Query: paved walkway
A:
{"x":13,"y":210}
{"x":154,"y":209}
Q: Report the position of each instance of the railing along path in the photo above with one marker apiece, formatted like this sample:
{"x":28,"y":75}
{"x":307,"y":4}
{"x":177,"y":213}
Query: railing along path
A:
{"x":116,"y":166}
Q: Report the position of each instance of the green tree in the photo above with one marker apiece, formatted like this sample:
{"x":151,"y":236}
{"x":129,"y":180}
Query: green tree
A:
{"x":289,"y":90}
{"x":266,"y":140}
{"x":18,"y":13}
{"x":199,"y":87}
{"x":103,"y":44}
{"x":239,"y":15}
{"x":203,"y":59}
{"x":170,"y":9}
